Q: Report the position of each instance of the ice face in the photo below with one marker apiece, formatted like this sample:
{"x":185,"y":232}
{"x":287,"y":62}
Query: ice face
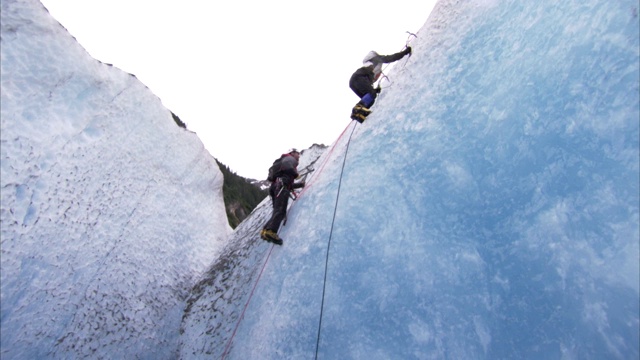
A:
{"x":488,"y":208}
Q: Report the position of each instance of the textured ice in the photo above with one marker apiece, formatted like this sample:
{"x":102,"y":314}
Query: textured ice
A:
{"x":110,"y":212}
{"x":488,"y":208}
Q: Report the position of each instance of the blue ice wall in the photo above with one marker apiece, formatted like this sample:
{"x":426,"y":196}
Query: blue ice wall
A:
{"x":487,"y":209}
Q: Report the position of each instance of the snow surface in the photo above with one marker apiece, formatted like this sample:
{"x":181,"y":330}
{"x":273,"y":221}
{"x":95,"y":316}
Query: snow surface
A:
{"x":110,"y":212}
{"x":488,"y":208}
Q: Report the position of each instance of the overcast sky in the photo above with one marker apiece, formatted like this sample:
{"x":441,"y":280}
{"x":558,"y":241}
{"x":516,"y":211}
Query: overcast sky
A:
{"x":251,"y":78}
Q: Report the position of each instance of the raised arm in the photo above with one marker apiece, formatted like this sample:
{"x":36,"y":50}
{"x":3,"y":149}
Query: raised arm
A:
{"x":391,"y":58}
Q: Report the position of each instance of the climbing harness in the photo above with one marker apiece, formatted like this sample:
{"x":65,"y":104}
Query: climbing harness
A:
{"x":279,"y":186}
{"x":326,"y":263}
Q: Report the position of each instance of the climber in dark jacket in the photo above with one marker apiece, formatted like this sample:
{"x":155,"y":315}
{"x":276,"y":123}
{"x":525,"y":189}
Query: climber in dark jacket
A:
{"x":362,"y":80}
{"x":279,"y":192}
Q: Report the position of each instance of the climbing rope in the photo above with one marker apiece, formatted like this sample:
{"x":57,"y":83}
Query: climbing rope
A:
{"x":324,"y":162}
{"x":326,"y":263}
{"x":228,"y":346}
{"x":246,"y":305}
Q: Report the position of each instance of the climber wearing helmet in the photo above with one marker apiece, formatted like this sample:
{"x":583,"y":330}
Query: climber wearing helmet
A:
{"x":282,"y":175}
{"x":362,"y":81}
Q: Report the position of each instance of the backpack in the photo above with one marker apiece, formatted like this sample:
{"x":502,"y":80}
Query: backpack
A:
{"x":275,"y":169}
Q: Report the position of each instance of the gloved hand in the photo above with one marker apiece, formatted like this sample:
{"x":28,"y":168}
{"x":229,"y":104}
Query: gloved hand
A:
{"x":407,"y":50}
{"x":378,"y":89}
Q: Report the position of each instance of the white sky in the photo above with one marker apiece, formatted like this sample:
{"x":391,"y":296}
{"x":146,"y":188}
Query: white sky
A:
{"x":251,"y":78}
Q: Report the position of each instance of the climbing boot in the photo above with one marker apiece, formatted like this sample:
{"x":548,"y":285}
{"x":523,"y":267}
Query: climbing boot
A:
{"x":358,"y":117}
{"x":271,"y":236}
{"x":360,"y":109}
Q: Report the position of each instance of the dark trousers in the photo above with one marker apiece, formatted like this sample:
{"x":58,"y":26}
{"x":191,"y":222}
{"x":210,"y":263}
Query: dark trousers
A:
{"x":279,"y":200}
{"x":361,"y":85}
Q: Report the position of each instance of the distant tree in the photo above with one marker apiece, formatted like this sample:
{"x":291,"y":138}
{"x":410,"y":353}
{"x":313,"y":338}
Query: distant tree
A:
{"x":178,"y":121}
{"x":240,"y":195}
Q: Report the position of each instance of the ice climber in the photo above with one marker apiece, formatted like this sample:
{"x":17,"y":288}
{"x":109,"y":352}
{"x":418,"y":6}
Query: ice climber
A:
{"x":282,"y":175}
{"x":362,"y":81}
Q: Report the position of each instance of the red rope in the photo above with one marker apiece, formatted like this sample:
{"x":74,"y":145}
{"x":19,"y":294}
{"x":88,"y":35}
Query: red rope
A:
{"x":224,"y":354}
{"x":326,"y":159}
{"x":246,"y":305}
